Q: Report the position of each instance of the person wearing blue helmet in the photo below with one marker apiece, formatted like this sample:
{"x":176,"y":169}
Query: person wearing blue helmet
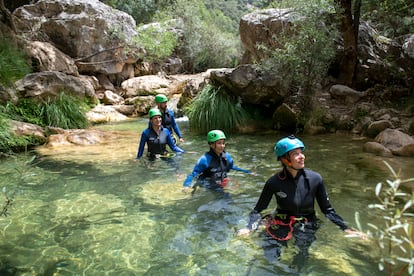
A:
{"x":296,"y":189}
{"x":156,"y":137}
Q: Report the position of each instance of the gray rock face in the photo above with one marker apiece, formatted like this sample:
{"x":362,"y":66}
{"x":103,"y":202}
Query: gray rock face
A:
{"x":86,"y":30}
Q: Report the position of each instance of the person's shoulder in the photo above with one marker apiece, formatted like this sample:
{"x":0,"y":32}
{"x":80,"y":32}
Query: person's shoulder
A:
{"x":312,"y":173}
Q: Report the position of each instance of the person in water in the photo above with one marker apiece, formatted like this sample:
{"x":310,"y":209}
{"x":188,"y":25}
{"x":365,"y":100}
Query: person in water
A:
{"x":295,"y":189}
{"x":168,"y":119}
{"x":156,"y":137}
{"x":212,"y":168}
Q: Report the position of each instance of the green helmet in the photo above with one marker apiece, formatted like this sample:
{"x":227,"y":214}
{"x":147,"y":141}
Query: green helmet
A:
{"x":287,"y":144}
{"x":215,"y":135}
{"x":160,"y":98}
{"x":154,"y":112}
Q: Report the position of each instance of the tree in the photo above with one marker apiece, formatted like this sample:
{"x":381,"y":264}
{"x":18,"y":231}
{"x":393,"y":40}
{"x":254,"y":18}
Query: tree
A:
{"x":7,"y":15}
{"x":348,"y":27}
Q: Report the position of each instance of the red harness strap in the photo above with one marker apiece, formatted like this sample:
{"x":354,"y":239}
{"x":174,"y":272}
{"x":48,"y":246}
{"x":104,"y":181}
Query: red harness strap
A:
{"x":271,"y":222}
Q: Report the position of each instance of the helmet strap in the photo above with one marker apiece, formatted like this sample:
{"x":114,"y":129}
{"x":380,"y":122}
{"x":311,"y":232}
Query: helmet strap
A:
{"x":287,"y":162}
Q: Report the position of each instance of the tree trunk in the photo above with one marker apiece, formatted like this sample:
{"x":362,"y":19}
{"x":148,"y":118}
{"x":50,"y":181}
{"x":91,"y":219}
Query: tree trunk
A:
{"x":348,"y":27}
{"x":8,"y":16}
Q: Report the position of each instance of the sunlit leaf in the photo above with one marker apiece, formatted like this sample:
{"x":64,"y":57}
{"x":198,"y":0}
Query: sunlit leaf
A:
{"x":378,"y":189}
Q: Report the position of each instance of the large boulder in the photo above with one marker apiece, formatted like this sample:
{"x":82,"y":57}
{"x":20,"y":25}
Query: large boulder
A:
{"x":399,"y":143}
{"x":46,"y":57}
{"x":253,"y":86}
{"x":259,"y":28}
{"x":87,"y":30}
{"x":51,"y":84}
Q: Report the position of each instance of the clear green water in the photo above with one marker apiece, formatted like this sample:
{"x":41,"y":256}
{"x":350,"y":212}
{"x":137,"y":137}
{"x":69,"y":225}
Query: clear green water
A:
{"x":95,"y":211}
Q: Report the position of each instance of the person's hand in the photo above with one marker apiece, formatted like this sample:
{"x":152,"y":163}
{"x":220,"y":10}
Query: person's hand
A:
{"x":186,"y":189}
{"x":243,"y":232}
{"x":181,"y":140}
{"x":350,"y":233}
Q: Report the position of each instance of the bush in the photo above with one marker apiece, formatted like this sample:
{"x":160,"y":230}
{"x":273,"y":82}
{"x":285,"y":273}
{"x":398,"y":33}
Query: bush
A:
{"x":212,"y":108}
{"x":12,"y":63}
{"x":158,"y":42}
{"x":395,"y":237}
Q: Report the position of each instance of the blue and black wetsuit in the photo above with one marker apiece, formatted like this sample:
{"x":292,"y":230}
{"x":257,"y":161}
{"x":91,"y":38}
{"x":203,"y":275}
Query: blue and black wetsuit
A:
{"x":168,"y":121}
{"x":157,"y":144}
{"x":295,"y":197}
{"x":212,"y":170}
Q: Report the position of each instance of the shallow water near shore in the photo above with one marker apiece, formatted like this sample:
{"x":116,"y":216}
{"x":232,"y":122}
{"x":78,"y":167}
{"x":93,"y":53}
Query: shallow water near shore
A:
{"x":94,"y":210}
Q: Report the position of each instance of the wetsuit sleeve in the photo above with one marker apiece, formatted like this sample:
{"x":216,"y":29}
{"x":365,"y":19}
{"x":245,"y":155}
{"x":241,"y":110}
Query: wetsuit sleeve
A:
{"x":254,"y":220}
{"x":200,"y":167}
{"x":262,"y":203}
{"x":171,"y":144}
{"x":175,"y":125}
{"x":326,"y":207}
{"x":264,"y":198}
{"x":234,"y":167}
{"x":144,"y":138}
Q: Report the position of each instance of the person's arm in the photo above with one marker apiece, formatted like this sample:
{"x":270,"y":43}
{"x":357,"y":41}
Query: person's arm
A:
{"x":175,"y":125}
{"x":200,"y":167}
{"x":142,"y":142}
{"x":255,"y":216}
{"x":171,"y":143}
{"x":234,"y":167}
{"x":326,"y":207}
{"x":330,"y":213}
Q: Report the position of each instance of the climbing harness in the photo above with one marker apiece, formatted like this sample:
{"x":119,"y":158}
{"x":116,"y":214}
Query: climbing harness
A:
{"x":274,"y":224}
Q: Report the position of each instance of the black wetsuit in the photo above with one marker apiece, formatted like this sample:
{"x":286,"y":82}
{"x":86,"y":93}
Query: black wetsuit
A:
{"x":294,"y":197}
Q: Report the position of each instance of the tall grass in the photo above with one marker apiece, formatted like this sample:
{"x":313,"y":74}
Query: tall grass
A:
{"x":12,"y":63}
{"x":213,"y":108}
{"x":65,"y":111}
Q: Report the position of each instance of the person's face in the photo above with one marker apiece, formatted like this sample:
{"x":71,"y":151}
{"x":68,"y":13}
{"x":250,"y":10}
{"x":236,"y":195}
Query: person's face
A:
{"x":156,"y":120}
{"x":162,"y":106}
{"x":297,"y":158}
{"x":218,"y":146}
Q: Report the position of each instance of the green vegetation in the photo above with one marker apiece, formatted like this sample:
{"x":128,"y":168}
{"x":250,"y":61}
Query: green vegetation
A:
{"x":12,"y":63}
{"x":212,"y":108}
{"x":66,"y":112}
{"x":158,"y":42}
{"x":9,"y":141}
{"x":395,"y":236}
{"x":391,"y":18}
{"x":208,"y":41}
{"x":304,"y":55}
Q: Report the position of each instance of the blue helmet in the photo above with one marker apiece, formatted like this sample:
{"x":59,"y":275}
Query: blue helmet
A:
{"x":287,"y":144}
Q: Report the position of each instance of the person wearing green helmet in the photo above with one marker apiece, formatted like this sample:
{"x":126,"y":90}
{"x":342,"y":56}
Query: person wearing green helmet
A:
{"x":296,"y":189}
{"x":156,"y":137}
{"x":168,"y":118}
{"x":212,"y":167}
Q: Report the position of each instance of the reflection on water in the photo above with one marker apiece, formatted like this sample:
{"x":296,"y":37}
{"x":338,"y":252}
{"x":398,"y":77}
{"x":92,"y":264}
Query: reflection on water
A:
{"x":96,"y":211}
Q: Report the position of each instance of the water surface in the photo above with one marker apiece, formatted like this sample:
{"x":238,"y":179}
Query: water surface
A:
{"x":94,"y":210}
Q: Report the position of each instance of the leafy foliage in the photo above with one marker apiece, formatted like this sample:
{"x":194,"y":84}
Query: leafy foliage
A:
{"x":207,"y":42}
{"x":395,"y":237}
{"x":12,"y":63}
{"x":213,"y":109}
{"x":158,"y":42}
{"x":391,"y":17}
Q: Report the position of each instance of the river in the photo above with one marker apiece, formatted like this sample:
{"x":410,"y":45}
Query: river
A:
{"x":94,"y":210}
